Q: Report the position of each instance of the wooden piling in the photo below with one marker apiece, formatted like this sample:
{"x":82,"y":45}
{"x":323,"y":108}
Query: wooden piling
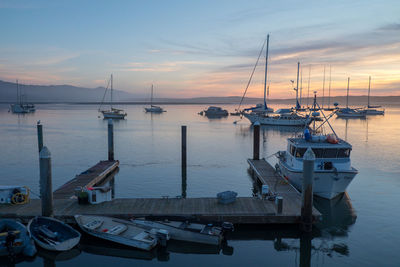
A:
{"x":307,"y":190}
{"x":279,"y":204}
{"x":184,"y":160}
{"x":256,"y":141}
{"x":110,"y":140}
{"x":46,"y":191}
{"x":40,"y":136}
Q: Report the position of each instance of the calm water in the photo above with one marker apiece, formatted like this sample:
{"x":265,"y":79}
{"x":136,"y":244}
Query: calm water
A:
{"x":363,"y":231}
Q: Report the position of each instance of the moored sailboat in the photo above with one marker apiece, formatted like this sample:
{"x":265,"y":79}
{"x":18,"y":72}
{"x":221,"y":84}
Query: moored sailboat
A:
{"x":286,"y":119}
{"x":153,"y":108}
{"x":112,"y":113}
{"x":372,"y":110}
{"x":350,"y":112}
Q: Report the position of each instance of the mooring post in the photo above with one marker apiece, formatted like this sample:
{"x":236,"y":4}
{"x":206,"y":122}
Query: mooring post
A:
{"x":256,"y":141}
{"x":40,"y":135}
{"x":184,"y":159}
{"x":279,"y":204}
{"x":110,"y":140}
{"x":305,"y":249}
{"x":46,"y":190}
{"x":307,"y":190}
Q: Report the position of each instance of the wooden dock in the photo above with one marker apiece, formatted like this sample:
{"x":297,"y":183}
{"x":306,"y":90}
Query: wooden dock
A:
{"x":245,"y":210}
{"x":88,"y":178}
{"x":265,"y":174}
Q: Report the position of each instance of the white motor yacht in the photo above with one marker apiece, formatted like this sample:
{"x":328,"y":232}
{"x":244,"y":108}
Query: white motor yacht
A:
{"x":333,"y":171}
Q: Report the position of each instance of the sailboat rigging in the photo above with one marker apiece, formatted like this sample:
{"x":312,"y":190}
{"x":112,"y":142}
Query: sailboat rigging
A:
{"x":112,"y":113}
{"x":153,"y":108}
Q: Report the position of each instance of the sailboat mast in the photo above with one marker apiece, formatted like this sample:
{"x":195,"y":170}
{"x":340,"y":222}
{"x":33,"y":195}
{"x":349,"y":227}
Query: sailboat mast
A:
{"x":329,"y":90}
{"x":308,"y":86}
{"x":266,"y":72}
{"x":323,"y":90}
{"x":297,"y":85}
{"x":347,"y":98}
{"x":151,"y":99}
{"x":111,"y":90}
{"x":301,"y":86}
{"x":18,"y":98}
{"x":369,"y":88}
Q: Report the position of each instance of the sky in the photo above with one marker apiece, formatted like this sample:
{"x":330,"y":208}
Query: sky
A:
{"x":203,"y":48}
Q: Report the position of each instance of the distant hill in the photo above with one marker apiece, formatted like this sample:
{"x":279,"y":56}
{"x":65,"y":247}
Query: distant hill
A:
{"x":57,"y":93}
{"x":73,"y":94}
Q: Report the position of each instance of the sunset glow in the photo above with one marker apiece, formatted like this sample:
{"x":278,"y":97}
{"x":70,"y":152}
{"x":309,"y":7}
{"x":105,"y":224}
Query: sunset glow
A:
{"x":202,"y":49}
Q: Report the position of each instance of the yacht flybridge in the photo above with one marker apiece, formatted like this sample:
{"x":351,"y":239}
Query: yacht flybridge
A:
{"x":333,"y":171}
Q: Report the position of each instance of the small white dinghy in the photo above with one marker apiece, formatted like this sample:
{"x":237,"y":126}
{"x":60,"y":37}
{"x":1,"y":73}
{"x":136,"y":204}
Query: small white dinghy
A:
{"x":185,"y":231}
{"x":52,"y":234}
{"x":116,"y":230}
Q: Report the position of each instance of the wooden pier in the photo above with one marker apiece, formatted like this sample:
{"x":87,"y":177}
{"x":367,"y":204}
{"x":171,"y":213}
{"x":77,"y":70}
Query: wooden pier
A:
{"x":265,"y":174}
{"x":284,"y":208}
{"x":245,"y":210}
{"x":88,"y":178}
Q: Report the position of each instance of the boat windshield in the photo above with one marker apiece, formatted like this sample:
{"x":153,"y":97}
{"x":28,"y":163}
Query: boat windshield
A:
{"x":321,"y":152}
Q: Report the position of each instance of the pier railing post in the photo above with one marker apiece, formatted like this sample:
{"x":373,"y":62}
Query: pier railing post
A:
{"x":256,"y":141}
{"x":184,"y":159}
{"x":40,"y":135}
{"x":307,"y":190}
{"x":110,"y":140}
{"x":46,"y":190}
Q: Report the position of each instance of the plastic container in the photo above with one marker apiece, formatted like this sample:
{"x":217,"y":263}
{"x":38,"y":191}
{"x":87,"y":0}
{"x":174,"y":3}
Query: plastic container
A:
{"x":226,"y":197}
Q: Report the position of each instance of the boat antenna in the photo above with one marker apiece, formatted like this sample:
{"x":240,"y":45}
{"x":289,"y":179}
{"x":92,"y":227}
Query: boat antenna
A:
{"x":323,"y":114}
{"x":251,"y":76}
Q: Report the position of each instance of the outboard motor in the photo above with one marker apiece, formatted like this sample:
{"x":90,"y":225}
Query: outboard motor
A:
{"x":227,"y":228}
{"x":161,"y":235}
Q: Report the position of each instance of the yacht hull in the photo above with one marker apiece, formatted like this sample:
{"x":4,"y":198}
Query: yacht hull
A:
{"x":114,"y":116}
{"x":327,"y":183}
{"x":277,"y":121}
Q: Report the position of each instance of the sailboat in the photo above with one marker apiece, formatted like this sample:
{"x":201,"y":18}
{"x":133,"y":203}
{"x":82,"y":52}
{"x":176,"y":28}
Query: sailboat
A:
{"x":112,"y":113}
{"x":349,"y":112}
{"x":20,"y":106}
{"x":373,"y":110}
{"x":329,"y":91}
{"x":285,"y":119}
{"x":153,"y":108}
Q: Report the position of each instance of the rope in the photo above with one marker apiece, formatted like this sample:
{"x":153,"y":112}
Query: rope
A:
{"x":20,"y":198}
{"x":251,"y":76}
{"x":105,"y":92}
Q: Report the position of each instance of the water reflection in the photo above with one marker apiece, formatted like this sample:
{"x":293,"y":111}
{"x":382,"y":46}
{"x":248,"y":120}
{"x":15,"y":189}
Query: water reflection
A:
{"x":100,"y":247}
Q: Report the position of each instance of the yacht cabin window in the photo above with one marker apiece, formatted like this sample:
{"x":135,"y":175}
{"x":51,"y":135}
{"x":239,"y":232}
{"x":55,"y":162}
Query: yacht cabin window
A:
{"x":321,"y":152}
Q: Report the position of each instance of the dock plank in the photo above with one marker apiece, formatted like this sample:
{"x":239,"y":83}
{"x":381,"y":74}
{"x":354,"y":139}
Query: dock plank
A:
{"x":88,"y":178}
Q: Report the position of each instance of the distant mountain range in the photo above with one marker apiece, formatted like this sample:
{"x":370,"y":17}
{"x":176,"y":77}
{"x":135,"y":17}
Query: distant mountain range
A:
{"x":73,"y":94}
